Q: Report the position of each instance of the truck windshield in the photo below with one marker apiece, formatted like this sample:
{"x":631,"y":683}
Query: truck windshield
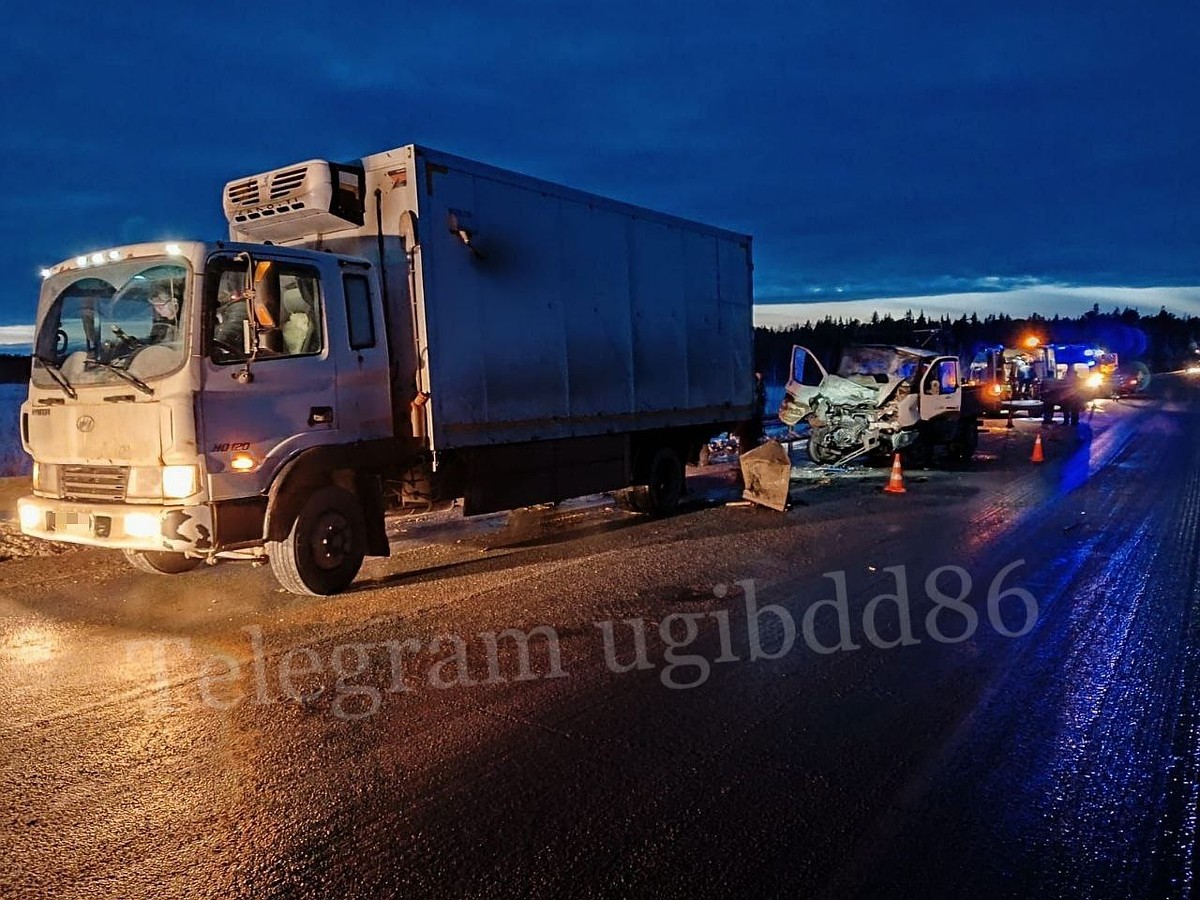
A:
{"x":126,"y":315}
{"x":881,"y":362}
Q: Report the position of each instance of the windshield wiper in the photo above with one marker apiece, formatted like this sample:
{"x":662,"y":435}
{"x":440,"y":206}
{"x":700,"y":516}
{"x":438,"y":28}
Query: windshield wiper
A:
{"x":56,"y":373}
{"x":124,"y":373}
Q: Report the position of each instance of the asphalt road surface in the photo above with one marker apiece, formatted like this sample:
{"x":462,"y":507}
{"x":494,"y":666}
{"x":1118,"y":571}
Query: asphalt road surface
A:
{"x":984,"y":687}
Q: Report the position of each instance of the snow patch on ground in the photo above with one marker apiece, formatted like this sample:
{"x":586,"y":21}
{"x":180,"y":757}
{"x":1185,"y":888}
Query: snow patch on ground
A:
{"x":13,"y":460}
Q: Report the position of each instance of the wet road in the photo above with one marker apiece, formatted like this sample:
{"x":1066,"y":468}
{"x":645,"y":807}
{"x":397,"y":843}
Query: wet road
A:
{"x":742,"y":703}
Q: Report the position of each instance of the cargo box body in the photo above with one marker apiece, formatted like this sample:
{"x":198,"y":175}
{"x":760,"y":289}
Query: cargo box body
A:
{"x":529,"y":311}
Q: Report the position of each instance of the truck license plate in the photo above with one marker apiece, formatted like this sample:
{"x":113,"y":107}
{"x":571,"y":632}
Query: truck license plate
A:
{"x":73,"y":520}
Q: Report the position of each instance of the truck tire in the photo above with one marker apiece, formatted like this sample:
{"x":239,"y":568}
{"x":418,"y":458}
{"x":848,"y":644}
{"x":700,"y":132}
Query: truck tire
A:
{"x":965,"y":442}
{"x":918,"y":455}
{"x":661,"y":495}
{"x":631,"y":499}
{"x":817,"y":451}
{"x":324,"y":547}
{"x":161,"y":562}
{"x":666,"y":482}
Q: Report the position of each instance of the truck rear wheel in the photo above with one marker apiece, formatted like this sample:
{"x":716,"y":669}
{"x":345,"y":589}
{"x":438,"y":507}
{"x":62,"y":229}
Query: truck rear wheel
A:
{"x":161,"y":562}
{"x":666,"y":482}
{"x":325,"y":546}
{"x":661,"y":495}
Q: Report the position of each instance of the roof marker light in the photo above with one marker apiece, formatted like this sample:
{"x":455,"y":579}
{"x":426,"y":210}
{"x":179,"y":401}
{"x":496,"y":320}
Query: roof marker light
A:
{"x":173,"y":250}
{"x":46,"y":273}
{"x":81,"y":260}
{"x":114,"y":255}
{"x":97,"y":258}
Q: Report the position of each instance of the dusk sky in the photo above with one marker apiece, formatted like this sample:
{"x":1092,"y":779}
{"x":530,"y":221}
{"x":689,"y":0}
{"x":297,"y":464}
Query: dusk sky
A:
{"x":872,"y":150}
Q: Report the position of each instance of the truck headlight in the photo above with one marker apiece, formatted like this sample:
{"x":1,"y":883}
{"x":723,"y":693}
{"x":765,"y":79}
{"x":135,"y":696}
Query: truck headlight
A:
{"x":45,"y":478}
{"x":30,"y":516}
{"x":145,"y":483}
{"x":1095,"y":380}
{"x":159,"y":482}
{"x":179,"y":481}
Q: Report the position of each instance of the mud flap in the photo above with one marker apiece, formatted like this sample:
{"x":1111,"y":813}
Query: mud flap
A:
{"x":767,"y":474}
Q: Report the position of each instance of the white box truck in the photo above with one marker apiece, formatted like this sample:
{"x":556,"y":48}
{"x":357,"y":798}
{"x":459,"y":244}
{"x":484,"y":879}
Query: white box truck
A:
{"x":404,"y":328}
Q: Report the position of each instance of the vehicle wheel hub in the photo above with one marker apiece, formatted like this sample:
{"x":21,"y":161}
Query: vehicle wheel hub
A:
{"x":332,"y":541}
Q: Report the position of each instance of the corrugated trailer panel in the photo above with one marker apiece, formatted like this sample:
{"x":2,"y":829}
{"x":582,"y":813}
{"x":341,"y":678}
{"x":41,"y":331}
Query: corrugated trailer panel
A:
{"x":570,"y":316}
{"x":737,"y":318}
{"x":656,"y":293}
{"x":599,"y":320}
{"x":708,"y":369}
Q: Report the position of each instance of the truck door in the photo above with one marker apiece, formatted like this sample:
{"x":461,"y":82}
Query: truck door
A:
{"x":364,"y":383}
{"x":941,"y":391}
{"x":264,"y":398}
{"x":806,"y":372}
{"x":804,"y":377}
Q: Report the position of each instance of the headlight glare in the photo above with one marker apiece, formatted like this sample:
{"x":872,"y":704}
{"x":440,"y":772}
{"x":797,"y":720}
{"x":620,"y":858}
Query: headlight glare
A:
{"x":179,"y":481}
{"x":30,"y":516}
{"x":142,"y":525}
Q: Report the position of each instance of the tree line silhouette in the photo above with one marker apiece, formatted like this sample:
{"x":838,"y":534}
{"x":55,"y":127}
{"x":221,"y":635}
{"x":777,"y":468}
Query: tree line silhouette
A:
{"x":1163,"y":342}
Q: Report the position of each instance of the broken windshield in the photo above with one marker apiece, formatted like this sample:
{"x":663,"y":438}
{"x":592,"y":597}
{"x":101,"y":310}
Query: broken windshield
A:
{"x":882,"y":362}
{"x":126,"y":316}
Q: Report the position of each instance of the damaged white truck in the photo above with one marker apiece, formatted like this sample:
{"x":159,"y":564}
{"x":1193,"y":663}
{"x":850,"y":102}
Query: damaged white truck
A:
{"x":882,"y":400}
{"x":399,"y":330}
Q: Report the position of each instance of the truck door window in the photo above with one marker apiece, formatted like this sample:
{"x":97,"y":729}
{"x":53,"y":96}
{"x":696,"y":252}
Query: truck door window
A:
{"x":287,"y":311}
{"x":361,"y":324}
{"x":805,"y":369}
{"x":944,"y":380}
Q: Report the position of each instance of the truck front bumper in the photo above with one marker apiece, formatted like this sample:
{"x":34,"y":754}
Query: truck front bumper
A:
{"x":120,"y":526}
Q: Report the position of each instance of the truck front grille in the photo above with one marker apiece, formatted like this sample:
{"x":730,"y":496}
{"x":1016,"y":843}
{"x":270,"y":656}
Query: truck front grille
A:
{"x":94,"y":482}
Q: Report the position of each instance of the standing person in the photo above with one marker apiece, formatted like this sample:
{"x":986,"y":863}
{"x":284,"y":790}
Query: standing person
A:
{"x":1025,"y":379}
{"x":749,"y":433}
{"x":1073,"y":398}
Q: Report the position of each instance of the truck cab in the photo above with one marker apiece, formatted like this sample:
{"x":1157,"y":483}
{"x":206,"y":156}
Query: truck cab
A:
{"x":881,"y":400}
{"x":171,"y":383}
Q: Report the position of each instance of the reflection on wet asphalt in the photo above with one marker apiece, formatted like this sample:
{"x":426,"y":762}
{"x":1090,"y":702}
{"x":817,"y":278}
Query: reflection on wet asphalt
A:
{"x":210,"y":736}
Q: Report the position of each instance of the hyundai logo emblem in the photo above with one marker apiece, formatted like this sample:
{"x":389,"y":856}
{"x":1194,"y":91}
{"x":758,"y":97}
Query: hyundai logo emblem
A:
{"x":85,"y":423}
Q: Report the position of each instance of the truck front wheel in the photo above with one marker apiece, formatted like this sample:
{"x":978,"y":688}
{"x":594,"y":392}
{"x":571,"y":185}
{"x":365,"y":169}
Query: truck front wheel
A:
{"x":819,"y":449}
{"x":161,"y":562}
{"x":325,"y":546}
{"x":965,"y":442}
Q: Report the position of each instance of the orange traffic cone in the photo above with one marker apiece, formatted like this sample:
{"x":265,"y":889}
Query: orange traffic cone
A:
{"x":895,"y":484}
{"x":1037,"y":451}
